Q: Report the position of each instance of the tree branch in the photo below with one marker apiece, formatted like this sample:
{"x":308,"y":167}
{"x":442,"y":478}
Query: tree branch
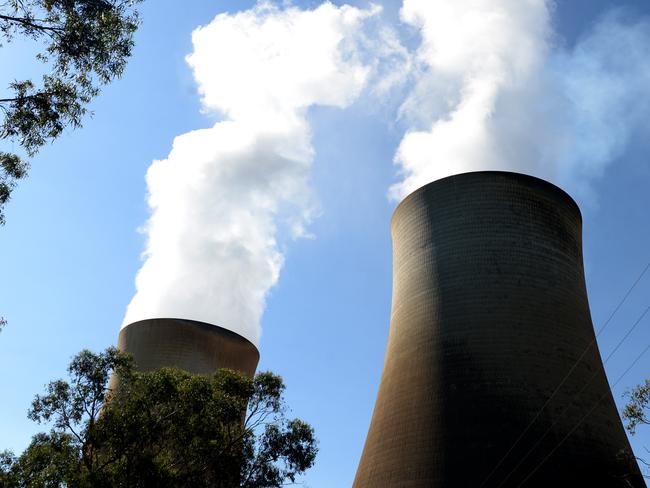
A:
{"x":31,"y":23}
{"x":26,"y":97}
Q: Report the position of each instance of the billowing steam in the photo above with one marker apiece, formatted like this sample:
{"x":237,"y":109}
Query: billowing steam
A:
{"x":493,"y":90}
{"x":218,"y":198}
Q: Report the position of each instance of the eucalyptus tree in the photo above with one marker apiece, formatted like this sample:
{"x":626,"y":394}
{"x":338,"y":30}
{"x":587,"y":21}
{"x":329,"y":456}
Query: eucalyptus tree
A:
{"x":165,"y":428}
{"x":83,"y":44}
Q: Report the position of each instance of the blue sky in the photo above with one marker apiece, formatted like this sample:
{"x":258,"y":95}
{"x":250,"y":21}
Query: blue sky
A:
{"x":70,"y":249}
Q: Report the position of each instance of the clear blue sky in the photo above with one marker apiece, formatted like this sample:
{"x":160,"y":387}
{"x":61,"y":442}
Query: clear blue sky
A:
{"x":70,"y":248}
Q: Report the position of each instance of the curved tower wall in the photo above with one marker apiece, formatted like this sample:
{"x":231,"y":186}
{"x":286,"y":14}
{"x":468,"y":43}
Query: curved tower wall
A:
{"x":189,"y":345}
{"x":489,"y":314}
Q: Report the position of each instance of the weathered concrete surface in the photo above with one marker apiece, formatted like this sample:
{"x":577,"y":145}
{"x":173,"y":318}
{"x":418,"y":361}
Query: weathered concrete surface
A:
{"x":193,"y":346}
{"x":489,"y":314}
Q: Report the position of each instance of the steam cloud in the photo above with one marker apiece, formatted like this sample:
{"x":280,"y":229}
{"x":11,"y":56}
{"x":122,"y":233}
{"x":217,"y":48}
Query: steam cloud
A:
{"x":492,"y":90}
{"x":216,"y":201}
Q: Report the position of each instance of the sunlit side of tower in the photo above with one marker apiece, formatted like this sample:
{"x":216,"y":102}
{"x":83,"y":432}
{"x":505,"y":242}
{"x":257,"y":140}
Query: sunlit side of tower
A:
{"x":489,"y":315}
{"x":189,"y":345}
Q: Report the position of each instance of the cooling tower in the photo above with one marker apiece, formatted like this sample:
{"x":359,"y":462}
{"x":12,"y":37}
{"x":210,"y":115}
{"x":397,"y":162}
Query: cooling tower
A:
{"x":189,"y":345}
{"x":489,"y":315}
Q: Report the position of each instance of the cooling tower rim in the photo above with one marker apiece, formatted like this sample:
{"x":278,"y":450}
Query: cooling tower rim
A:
{"x":198,"y":323}
{"x":520,"y":176}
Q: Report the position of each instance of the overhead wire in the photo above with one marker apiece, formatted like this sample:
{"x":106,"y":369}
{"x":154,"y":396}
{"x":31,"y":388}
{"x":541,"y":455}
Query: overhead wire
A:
{"x":564,"y":379}
{"x":577,"y":395}
{"x":575,"y":427}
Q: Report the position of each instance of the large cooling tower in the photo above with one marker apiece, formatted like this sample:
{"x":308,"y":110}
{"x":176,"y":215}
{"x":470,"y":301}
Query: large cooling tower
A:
{"x":189,"y":345}
{"x":489,"y":314}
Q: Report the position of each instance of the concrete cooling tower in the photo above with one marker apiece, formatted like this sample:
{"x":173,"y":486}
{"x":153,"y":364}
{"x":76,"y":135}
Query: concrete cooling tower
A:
{"x":489,"y":315}
{"x":189,"y":345}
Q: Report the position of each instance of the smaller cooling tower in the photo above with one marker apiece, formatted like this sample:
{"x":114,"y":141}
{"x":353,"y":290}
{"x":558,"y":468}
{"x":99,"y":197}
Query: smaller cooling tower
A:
{"x":196,"y":347}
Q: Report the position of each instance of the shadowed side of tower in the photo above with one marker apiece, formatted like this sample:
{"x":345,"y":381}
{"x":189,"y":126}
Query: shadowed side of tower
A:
{"x":489,"y":314}
{"x":189,"y":345}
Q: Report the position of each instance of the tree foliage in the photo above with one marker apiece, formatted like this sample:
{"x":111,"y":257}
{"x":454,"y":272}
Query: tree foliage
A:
{"x":86,"y":44}
{"x":635,"y":412}
{"x":165,"y":428}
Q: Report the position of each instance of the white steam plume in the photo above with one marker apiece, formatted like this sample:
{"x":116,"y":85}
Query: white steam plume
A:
{"x":605,"y":84}
{"x":492,"y":91}
{"x":218,"y":198}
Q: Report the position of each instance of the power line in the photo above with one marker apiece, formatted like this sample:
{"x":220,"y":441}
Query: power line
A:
{"x":575,"y":365}
{"x":584,"y":387}
{"x":583,"y":418}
